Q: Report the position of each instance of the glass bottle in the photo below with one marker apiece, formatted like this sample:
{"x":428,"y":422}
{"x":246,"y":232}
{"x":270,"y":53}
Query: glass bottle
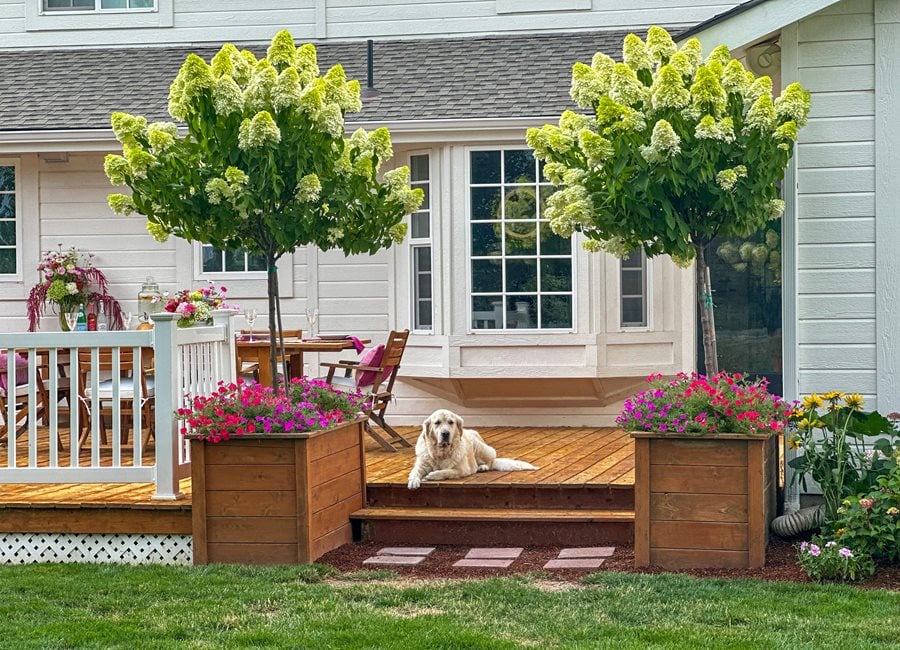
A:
{"x":81,"y":323}
{"x":102,"y":325}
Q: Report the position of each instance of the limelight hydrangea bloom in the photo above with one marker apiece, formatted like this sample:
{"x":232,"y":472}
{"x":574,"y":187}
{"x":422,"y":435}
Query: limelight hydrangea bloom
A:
{"x":709,"y":129}
{"x":309,"y":188}
{"x":157,"y":231}
{"x":587,"y":85}
{"x":727,"y":178}
{"x":668,"y":89}
{"x":776,"y":209}
{"x":139,"y":160}
{"x":307,"y":65}
{"x":758,"y":87}
{"x":664,"y":143}
{"x":161,"y":136}
{"x":734,"y":78}
{"x":597,"y":149}
{"x":260,"y":91}
{"x":793,"y":105}
{"x":127,"y":127}
{"x":761,"y":115}
{"x":282,"y":51}
{"x":660,"y":44}
{"x":636,"y":54}
{"x":120,"y":203}
{"x":258,"y":132}
{"x":331,"y":120}
{"x":625,"y":88}
{"x":117,"y":169}
{"x":707,"y":94}
{"x":227,"y":96}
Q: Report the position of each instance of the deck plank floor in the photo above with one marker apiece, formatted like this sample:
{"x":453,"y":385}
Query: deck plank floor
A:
{"x":567,"y":456}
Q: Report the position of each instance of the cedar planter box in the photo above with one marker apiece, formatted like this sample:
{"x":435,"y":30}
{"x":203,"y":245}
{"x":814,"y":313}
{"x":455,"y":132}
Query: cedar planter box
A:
{"x":276,"y":498}
{"x":703,"y":502}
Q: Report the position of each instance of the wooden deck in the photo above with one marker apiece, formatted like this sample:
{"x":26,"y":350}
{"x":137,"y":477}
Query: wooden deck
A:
{"x":586,"y":478}
{"x":567,"y":457}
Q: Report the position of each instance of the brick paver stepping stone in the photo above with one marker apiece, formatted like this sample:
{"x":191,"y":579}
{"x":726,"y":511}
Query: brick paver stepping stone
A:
{"x":485,"y":563}
{"x":494,"y":553}
{"x":395,"y":560}
{"x":587,"y":551}
{"x":575,"y":563}
{"x":406,"y":550}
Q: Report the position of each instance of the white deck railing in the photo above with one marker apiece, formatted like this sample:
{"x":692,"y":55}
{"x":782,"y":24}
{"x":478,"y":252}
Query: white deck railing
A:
{"x":113,"y":386}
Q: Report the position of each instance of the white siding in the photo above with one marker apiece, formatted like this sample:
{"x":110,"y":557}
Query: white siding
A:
{"x":836,"y":202}
{"x":199,"y":21}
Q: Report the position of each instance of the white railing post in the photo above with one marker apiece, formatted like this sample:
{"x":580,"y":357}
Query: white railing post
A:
{"x":228,"y":354}
{"x":167,"y":391}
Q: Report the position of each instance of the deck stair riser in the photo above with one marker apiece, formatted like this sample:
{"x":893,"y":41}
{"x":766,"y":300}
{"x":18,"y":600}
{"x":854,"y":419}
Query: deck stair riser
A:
{"x":521,"y":496}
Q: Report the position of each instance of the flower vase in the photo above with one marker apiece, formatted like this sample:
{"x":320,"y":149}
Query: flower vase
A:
{"x":63,"y":325}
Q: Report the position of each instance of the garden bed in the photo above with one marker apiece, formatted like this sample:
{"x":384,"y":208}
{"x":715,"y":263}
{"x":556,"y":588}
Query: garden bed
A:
{"x":781,"y":565}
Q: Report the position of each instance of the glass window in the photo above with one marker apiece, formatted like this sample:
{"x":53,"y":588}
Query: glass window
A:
{"x":219,"y":261}
{"x":97,"y":5}
{"x":521,"y":272}
{"x":420,"y":245}
{"x":8,"y":223}
{"x":633,"y":275}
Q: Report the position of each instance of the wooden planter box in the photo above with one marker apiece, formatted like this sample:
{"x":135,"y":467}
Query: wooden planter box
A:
{"x":703,"y":502}
{"x":276,"y":498}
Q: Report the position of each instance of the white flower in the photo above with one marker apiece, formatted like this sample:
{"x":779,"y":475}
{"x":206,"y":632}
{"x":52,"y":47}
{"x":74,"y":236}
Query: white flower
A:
{"x":71,"y":288}
{"x":664,"y":143}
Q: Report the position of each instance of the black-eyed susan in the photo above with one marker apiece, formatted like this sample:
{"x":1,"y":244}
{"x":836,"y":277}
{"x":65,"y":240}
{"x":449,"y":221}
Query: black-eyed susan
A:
{"x":854,"y":401}
{"x":833,"y":396}
{"x":812,"y":401}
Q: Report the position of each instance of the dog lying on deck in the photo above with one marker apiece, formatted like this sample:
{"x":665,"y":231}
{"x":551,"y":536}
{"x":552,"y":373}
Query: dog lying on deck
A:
{"x":447,"y":450}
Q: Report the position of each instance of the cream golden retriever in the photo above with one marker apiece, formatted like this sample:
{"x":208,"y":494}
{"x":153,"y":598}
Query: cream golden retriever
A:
{"x":446,"y":450}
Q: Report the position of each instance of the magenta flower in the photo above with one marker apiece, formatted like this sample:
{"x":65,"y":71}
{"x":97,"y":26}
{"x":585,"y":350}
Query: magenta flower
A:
{"x":814,"y":550}
{"x":845,"y":552}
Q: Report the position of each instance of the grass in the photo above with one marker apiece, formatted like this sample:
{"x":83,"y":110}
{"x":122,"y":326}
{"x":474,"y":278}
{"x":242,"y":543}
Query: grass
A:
{"x":99,"y":606}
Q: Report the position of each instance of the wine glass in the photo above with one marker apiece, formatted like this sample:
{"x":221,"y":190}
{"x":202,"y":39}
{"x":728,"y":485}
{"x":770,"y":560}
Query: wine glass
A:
{"x":250,"y":316}
{"x":126,"y":320}
{"x":312,"y":315}
{"x":71,"y":319}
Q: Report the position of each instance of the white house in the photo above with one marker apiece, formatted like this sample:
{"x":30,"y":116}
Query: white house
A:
{"x":510,"y":324}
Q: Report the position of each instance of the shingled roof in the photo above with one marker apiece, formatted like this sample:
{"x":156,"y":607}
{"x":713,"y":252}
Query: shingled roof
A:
{"x":494,"y":77}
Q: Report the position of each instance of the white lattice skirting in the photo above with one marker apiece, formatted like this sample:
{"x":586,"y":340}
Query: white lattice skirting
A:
{"x":33,"y":548}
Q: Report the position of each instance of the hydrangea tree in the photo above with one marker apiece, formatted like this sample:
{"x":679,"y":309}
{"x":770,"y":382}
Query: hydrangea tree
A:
{"x":677,"y":150}
{"x":264,"y":165}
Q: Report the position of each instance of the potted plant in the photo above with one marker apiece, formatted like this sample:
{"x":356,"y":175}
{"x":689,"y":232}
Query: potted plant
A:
{"x":275,"y":473}
{"x":706,"y":469}
{"x":68,"y":280}
{"x":195,"y":306}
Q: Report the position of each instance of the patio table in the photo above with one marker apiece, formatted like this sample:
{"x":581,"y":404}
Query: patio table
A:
{"x":257,"y":351}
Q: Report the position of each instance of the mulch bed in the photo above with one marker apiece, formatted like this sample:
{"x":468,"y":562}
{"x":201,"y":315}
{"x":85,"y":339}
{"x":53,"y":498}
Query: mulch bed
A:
{"x":781,"y":565}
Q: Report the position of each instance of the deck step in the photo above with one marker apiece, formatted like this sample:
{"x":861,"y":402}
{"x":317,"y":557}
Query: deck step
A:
{"x":487,"y":526}
{"x":506,"y":496}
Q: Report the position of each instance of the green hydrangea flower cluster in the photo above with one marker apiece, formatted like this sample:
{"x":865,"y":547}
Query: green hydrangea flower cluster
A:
{"x":671,"y":139}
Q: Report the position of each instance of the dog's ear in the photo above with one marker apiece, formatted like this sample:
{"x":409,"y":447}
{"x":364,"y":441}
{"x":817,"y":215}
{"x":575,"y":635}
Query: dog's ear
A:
{"x":426,"y":426}
{"x":460,"y":424}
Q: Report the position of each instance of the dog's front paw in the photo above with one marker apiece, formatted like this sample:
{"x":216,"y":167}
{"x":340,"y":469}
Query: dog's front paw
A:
{"x":436,"y":475}
{"x":484,"y":468}
{"x":414,"y":483}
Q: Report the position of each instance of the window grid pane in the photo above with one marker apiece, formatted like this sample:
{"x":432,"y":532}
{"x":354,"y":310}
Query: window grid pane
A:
{"x":519,"y":270}
{"x":218,"y":261}
{"x":8,"y":226}
{"x":420,"y":246}
{"x":633,"y":283}
{"x":97,"y":5}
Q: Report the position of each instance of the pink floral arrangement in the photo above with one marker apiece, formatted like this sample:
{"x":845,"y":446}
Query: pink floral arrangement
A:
{"x":196,"y":305}
{"x":68,"y":279}
{"x":243,"y":408}
{"x":698,"y":405}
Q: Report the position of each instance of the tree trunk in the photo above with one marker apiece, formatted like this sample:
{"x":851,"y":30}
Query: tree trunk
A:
{"x":272,"y":289}
{"x":284,"y":359}
{"x":707,"y":316}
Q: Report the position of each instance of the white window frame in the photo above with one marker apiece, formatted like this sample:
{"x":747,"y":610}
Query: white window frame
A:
{"x":244,"y":285}
{"x":645,"y":296}
{"x":17,"y":193}
{"x":39,"y":19}
{"x":237,"y":274}
{"x":415,"y":243}
{"x":98,"y":8}
{"x":468,"y":239}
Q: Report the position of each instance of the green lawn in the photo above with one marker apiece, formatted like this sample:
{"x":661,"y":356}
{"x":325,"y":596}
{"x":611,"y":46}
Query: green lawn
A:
{"x":59,"y":606}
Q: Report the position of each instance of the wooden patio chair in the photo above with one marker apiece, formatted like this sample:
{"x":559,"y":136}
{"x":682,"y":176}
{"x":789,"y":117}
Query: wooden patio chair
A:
{"x":126,"y":392}
{"x":375,"y":375}
{"x":250,"y":369}
{"x":18,"y":390}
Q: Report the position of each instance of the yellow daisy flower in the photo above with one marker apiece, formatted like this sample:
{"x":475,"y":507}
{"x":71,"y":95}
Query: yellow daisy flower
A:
{"x":794,"y":442}
{"x":833,"y":396}
{"x":812,"y":401}
{"x":854,"y":401}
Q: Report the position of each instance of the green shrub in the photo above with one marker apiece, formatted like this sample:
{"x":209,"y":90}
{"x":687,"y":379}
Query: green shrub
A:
{"x":871,"y":522}
{"x":826,"y":560}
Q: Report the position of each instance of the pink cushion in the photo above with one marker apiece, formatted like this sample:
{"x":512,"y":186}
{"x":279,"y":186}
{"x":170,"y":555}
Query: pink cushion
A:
{"x":371,"y":357}
{"x":21,"y":370}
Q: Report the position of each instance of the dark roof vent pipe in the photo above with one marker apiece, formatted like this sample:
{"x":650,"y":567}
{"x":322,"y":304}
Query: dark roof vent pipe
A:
{"x":369,"y":91}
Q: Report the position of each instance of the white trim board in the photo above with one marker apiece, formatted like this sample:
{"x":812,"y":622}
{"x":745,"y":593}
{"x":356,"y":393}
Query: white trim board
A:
{"x":757,"y":22}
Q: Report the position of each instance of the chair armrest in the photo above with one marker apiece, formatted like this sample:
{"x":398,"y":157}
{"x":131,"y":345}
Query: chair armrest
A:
{"x":340,"y":364}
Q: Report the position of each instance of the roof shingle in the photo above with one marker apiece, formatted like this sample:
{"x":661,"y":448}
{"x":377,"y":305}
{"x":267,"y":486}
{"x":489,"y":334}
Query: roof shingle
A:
{"x":454,"y":78}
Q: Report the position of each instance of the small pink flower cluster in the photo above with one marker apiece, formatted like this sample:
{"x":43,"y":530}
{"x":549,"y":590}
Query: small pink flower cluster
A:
{"x":244,"y":408}
{"x":696,"y":404}
{"x":194,"y":305}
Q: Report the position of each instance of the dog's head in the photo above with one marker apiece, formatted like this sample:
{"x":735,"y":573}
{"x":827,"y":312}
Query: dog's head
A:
{"x":443,"y":428}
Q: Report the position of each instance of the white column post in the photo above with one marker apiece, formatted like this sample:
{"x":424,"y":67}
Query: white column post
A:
{"x":227,"y":359}
{"x":167,"y":396}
